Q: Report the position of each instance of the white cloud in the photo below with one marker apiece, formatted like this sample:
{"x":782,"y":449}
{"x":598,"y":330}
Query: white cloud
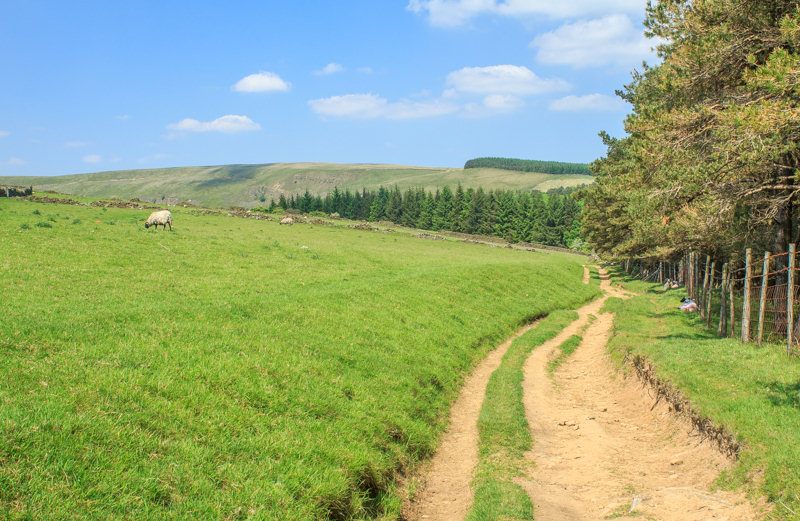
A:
{"x":611,"y":40}
{"x":365,"y":70}
{"x":453,"y":13}
{"x":472,"y":92}
{"x":75,"y":144}
{"x":371,"y":106}
{"x":331,"y":68}
{"x":503,"y":79}
{"x":123,"y":117}
{"x":588,"y":103}
{"x":92,"y":158}
{"x":261,"y":82}
{"x":228,"y":124}
{"x":4,"y":133}
{"x":362,"y":106}
{"x":15,"y":161}
{"x":502,"y":102}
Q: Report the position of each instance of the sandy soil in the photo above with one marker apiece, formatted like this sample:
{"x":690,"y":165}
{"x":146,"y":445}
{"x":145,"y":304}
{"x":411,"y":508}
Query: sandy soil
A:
{"x":601,"y":450}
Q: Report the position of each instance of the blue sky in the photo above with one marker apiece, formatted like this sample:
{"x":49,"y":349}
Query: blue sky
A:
{"x":92,"y":86}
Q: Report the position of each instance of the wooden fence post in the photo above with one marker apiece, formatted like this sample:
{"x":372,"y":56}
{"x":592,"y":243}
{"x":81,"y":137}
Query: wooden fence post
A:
{"x":696,"y":271}
{"x":790,"y":301}
{"x":762,"y":306}
{"x":731,"y":311}
{"x":724,"y":284}
{"x":710,"y":294}
{"x":705,"y":288}
{"x":748,"y":274}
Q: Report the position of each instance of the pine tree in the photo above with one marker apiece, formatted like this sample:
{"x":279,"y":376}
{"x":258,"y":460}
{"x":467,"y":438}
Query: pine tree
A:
{"x":425,"y":220}
{"x":444,"y":206}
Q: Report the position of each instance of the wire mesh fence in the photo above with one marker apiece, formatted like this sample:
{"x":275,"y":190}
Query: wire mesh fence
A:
{"x":749,"y":299}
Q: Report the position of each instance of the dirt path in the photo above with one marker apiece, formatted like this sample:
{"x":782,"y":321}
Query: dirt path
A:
{"x":444,"y":493}
{"x":599,"y":449}
{"x":601,"y":452}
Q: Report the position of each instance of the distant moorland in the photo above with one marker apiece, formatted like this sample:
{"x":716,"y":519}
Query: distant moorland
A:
{"x":252,"y":185}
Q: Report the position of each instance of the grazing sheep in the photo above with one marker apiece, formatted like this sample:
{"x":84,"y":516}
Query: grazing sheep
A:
{"x":163,"y":217}
{"x":287,"y":220}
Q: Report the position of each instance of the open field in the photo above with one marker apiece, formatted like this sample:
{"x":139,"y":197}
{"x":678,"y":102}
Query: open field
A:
{"x":754,"y":393}
{"x":245,"y":185}
{"x":235,"y":368}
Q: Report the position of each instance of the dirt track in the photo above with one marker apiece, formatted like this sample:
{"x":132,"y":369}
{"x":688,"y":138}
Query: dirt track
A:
{"x":600,"y":449}
{"x":445,"y":491}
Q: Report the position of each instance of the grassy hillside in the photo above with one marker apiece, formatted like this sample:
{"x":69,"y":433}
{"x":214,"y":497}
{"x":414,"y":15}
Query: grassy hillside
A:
{"x":244,"y":185}
{"x":236,"y":368}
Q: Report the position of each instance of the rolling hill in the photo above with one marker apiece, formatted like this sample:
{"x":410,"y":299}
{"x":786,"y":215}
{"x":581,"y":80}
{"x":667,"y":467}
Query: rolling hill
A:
{"x":251,"y":185}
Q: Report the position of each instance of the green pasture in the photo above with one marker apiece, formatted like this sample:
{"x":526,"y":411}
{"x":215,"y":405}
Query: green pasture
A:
{"x":235,"y":368}
{"x":754,"y":392}
{"x":246,"y":185}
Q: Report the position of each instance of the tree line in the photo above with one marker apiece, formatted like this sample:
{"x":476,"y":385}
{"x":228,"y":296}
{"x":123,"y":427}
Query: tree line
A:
{"x":552,"y":218}
{"x":529,"y":165}
{"x":712,"y":153}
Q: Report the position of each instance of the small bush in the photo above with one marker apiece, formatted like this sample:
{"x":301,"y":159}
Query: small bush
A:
{"x":37,"y":212}
{"x":24,"y":226}
{"x":44,"y":224}
{"x":76,"y":221}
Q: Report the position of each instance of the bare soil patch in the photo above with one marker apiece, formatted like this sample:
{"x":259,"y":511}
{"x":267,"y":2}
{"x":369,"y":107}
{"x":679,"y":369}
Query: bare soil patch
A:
{"x":604,"y":449}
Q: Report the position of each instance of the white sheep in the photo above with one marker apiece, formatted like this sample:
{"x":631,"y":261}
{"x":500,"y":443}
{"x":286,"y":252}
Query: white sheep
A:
{"x":163,"y":217}
{"x":287,"y":220}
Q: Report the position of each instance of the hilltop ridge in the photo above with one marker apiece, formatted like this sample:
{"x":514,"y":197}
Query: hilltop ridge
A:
{"x":250,"y":185}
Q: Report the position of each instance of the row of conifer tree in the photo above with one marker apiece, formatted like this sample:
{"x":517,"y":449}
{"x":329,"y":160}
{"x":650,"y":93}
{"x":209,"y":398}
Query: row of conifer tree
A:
{"x":551,"y":218}
{"x":529,"y":165}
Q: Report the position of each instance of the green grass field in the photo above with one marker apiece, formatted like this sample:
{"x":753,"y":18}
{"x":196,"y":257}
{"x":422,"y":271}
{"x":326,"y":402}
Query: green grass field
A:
{"x":238,"y":369}
{"x":753,"y":392}
{"x":244,"y":185}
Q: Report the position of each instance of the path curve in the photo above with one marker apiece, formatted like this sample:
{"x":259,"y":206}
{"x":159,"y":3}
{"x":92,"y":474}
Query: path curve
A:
{"x":601,"y":450}
{"x":444,"y":493}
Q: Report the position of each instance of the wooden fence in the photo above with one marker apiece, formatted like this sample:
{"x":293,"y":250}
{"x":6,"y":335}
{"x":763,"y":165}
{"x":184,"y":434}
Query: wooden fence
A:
{"x":755,"y":299}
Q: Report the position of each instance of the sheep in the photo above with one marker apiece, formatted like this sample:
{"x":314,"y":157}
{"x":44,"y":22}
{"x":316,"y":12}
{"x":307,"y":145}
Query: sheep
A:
{"x":287,"y":220}
{"x":163,"y":217}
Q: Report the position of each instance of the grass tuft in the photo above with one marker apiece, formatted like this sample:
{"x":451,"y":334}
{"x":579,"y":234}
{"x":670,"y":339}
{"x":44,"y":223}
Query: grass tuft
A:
{"x":567,"y":348}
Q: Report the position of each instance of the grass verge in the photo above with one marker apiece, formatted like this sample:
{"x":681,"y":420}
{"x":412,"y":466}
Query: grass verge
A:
{"x":504,"y":431}
{"x":750,"y":391}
